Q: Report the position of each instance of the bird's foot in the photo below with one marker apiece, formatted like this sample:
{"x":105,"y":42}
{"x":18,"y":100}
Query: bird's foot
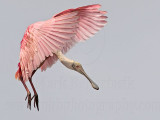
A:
{"x":29,"y":100}
{"x":36,"y":101}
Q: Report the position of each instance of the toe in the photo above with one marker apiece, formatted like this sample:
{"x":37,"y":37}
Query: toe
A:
{"x":36,"y":102}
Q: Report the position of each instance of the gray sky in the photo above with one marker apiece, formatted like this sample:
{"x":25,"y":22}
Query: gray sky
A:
{"x":123,"y":59}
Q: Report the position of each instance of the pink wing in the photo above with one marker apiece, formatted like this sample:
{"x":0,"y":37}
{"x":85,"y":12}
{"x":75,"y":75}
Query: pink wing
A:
{"x":90,"y":21}
{"x":42,"y":39}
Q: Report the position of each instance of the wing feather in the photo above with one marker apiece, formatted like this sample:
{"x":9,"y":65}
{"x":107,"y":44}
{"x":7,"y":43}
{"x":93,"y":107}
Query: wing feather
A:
{"x":41,"y":51}
{"x":43,"y":39}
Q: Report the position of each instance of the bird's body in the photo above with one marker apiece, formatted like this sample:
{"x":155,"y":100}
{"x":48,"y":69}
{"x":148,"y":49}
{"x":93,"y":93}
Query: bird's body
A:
{"x":47,"y":41}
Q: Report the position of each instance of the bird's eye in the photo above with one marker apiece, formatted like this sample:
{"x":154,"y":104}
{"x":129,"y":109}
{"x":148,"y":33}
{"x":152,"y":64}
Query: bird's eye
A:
{"x":77,"y":66}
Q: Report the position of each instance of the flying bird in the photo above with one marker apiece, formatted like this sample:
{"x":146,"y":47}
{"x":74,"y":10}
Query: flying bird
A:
{"x":47,"y":41}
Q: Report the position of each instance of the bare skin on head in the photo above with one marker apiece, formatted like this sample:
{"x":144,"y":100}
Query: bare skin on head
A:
{"x":73,"y":65}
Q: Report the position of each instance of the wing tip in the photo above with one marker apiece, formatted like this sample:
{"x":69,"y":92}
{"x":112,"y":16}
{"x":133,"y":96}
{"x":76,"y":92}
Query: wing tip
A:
{"x":97,"y":6}
{"x":103,"y":12}
{"x":94,"y":6}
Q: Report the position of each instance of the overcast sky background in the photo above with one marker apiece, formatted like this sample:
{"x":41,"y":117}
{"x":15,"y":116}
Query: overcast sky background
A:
{"x":123,"y":59}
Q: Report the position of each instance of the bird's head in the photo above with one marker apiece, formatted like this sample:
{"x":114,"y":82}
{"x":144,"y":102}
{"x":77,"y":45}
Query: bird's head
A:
{"x":78,"y":67}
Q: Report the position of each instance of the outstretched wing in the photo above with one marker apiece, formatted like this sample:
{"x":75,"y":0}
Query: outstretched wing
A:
{"x":42,"y":39}
{"x":90,"y":21}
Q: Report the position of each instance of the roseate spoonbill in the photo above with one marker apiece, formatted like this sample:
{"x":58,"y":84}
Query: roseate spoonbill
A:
{"x":47,"y":41}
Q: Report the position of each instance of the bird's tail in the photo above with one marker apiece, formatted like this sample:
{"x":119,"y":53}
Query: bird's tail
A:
{"x":18,"y":74}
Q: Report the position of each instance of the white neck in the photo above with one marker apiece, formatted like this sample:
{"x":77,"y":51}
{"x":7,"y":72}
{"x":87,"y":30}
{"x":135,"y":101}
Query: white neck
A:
{"x":64,"y":60}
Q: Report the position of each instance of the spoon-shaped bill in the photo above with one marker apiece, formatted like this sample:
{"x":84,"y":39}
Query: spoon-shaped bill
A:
{"x":94,"y":85}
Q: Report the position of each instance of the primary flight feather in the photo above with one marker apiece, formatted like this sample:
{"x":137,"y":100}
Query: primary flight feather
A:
{"x":47,"y":41}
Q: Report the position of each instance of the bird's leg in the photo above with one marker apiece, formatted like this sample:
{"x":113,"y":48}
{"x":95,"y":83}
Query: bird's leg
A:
{"x":36,"y":101}
{"x":28,"y":95}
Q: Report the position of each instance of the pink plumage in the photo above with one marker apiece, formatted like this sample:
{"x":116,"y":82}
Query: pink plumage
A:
{"x":47,"y":41}
{"x":43,"y":39}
